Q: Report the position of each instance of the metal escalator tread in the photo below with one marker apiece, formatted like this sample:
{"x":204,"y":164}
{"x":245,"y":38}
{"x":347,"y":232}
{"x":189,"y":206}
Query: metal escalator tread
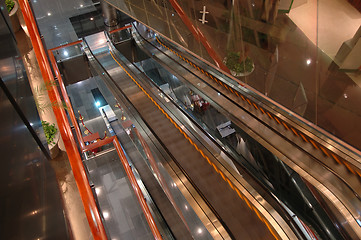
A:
{"x":242,"y":222}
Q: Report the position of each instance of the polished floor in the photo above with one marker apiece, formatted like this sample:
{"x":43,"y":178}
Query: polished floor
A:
{"x":73,"y":206}
{"x":330,"y":13}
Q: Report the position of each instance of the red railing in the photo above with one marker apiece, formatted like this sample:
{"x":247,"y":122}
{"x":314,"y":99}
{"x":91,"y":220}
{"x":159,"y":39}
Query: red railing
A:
{"x":198,"y":35}
{"x":120,"y":29}
{"x":103,"y":142}
{"x":91,"y":210}
{"x":86,"y":194}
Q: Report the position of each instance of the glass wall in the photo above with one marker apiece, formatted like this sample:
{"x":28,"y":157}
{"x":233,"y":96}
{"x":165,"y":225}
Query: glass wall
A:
{"x":301,"y":54}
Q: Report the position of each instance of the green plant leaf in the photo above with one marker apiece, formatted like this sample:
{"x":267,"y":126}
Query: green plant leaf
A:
{"x":50,"y":130}
{"x":9,"y":5}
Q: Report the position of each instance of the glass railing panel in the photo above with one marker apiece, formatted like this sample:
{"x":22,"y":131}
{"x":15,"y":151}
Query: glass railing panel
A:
{"x":68,"y":52}
{"x":293,"y":61}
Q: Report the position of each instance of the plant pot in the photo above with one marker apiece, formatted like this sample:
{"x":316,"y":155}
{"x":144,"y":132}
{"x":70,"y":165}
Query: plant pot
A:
{"x":13,"y":14}
{"x":242,"y":74}
{"x":239,"y":74}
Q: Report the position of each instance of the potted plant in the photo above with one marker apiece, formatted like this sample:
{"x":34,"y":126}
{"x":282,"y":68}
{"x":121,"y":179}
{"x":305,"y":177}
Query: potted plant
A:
{"x":9,"y":5}
{"x":237,"y":65}
{"x":12,"y":7}
{"x":52,"y":137}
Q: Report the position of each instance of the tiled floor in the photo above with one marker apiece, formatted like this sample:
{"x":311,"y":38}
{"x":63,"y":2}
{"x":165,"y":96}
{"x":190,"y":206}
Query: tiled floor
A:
{"x":119,"y":206}
{"x":53,"y":18}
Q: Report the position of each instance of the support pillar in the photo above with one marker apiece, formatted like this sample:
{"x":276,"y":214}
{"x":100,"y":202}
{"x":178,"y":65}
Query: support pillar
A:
{"x":111,"y":21}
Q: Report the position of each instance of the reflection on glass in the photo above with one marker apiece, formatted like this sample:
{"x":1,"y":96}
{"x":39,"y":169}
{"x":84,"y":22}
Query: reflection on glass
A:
{"x":277,"y":37}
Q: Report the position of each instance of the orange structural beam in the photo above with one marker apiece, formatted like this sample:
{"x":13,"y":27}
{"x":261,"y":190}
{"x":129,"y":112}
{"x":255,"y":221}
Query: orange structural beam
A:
{"x":120,"y":29}
{"x":197,"y":33}
{"x":86,"y":194}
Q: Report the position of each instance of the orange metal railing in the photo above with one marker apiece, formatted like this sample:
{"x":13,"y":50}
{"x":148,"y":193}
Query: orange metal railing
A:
{"x":103,"y":142}
{"x":120,"y":29}
{"x":91,"y":210}
{"x":199,"y":36}
{"x":86,"y":194}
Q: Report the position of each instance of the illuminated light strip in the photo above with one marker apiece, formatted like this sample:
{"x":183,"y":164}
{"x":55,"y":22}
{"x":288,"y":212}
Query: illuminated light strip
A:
{"x":303,"y":137}
{"x":263,"y":112}
{"x":336,"y":158}
{"x":226,"y":179}
{"x":268,"y":114}
{"x":324,"y":151}
{"x":348,"y":167}
{"x":313,"y":144}
{"x":285,"y":125}
{"x":277,"y":120}
{"x":255,"y":106}
{"x":294,"y":131}
{"x":235,"y":92}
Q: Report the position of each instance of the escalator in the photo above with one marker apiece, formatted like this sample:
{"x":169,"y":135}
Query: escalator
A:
{"x":243,"y":213}
{"x":288,"y":182}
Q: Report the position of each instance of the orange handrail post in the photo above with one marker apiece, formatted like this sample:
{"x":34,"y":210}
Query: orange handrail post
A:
{"x":86,"y":194}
